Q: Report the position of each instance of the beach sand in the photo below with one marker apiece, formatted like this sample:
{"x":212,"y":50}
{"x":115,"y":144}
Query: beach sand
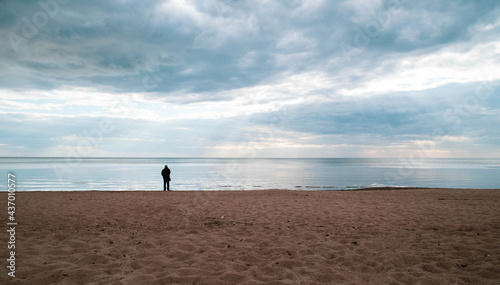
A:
{"x":418,"y":236}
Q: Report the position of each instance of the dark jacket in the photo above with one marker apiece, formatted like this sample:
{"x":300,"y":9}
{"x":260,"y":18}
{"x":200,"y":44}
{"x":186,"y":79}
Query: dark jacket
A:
{"x":166,"y":174}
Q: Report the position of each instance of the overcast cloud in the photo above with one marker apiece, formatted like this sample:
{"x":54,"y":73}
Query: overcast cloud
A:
{"x":250,"y":78}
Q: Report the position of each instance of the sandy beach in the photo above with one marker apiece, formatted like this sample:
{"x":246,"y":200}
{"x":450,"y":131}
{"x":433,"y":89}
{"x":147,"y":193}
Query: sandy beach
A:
{"x":415,"y":236}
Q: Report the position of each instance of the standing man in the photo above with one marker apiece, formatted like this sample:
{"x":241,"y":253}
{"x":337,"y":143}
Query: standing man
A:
{"x":166,"y":178}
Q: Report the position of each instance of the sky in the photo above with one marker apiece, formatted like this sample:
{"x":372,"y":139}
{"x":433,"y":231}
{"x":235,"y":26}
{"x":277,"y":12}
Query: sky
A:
{"x":355,"y":78}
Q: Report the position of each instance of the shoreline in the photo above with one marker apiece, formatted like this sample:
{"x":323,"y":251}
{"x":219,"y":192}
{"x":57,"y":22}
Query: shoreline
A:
{"x":381,"y":188}
{"x":426,"y":235}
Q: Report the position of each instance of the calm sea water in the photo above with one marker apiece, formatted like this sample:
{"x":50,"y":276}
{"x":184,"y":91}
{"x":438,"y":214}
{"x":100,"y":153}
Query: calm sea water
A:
{"x":50,"y":174}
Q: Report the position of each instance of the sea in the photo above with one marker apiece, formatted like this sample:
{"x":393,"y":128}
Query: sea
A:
{"x":207,"y":174}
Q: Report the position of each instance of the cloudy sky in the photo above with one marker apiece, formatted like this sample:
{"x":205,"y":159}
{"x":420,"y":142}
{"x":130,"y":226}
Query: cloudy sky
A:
{"x":352,"y":78}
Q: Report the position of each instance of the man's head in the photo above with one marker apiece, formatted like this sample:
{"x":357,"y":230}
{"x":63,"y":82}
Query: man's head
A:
{"x":166,"y":166}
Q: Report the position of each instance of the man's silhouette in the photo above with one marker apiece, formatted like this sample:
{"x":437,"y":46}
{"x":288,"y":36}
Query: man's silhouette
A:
{"x":166,"y":178}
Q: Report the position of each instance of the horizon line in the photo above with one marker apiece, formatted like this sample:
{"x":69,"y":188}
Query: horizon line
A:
{"x":228,"y":157}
